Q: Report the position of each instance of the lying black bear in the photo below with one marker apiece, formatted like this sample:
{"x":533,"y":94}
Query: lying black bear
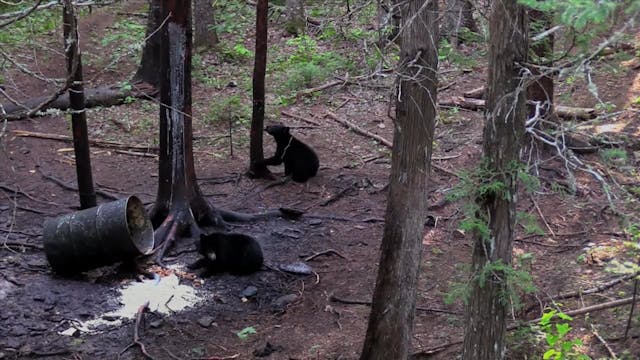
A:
{"x":228,"y":252}
{"x":300,"y":161}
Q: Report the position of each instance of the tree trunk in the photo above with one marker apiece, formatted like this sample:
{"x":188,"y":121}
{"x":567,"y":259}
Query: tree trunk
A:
{"x":179,"y":206}
{"x":394,"y":299}
{"x":205,"y":36}
{"x":78,"y":116}
{"x":458,"y":15}
{"x":149,"y":67}
{"x":256,"y":155}
{"x":541,"y":90}
{"x":504,"y":127}
{"x":296,"y":22}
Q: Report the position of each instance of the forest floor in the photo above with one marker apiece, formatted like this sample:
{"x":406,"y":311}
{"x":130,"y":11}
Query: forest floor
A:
{"x":565,"y":240}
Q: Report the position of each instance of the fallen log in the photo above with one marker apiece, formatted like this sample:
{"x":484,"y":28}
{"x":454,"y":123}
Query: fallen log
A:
{"x":101,"y":96}
{"x":565,"y":112}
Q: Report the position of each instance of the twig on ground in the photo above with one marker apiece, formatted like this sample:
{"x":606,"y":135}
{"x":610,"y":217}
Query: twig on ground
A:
{"x":338,"y":195}
{"x":7,"y":243}
{"x":136,"y":332}
{"x":66,"y":186}
{"x":595,"y":333}
{"x":326,"y":252}
{"x":535,"y":204}
{"x":93,"y":142}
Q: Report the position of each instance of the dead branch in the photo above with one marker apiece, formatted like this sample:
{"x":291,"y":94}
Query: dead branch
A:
{"x":135,"y":153}
{"x":136,"y":332}
{"x":93,"y":142}
{"x":37,"y":6}
{"x":334,"y":298}
{"x":30,"y":197}
{"x":66,"y":186}
{"x":604,"y":343}
{"x":19,"y":15}
{"x":339,"y":195}
{"x":100,"y":96}
{"x":474,"y":104}
{"x":309,"y":91}
{"x":23,"y":244}
{"x":326,"y":252}
{"x":298,"y":117}
{"x":359,"y":130}
{"x":477,"y":93}
{"x":596,"y":289}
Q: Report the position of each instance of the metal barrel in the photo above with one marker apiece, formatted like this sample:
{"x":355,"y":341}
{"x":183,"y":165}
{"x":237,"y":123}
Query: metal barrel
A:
{"x":98,"y":236}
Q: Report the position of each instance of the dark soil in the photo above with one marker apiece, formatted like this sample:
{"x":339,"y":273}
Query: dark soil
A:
{"x":347,"y":199}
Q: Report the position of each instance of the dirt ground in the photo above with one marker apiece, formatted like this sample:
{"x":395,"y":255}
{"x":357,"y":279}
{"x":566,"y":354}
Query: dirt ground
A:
{"x":582,"y":234}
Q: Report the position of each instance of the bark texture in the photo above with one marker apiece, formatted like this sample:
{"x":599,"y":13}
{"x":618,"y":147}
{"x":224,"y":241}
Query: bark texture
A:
{"x":458,"y":15}
{"x":205,"y":35}
{"x":541,"y":90}
{"x":394,"y":300}
{"x":86,"y":190}
{"x":504,"y":127}
{"x":256,"y":154}
{"x":296,"y":22}
{"x":149,"y":67}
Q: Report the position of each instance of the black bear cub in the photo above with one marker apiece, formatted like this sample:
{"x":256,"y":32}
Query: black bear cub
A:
{"x":228,"y":252}
{"x":300,"y":161}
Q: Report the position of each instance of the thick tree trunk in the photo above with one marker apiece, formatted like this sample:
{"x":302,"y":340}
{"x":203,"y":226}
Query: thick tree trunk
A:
{"x":296,"y":22}
{"x":149,"y":67}
{"x":504,"y":127}
{"x":541,"y":90}
{"x":205,"y":35}
{"x":180,"y":206}
{"x":78,"y":116}
{"x":256,"y":154}
{"x":394,"y":299}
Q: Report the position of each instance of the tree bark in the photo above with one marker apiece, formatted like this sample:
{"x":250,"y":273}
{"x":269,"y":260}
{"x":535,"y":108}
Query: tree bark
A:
{"x":388,"y":22}
{"x":205,"y":36}
{"x":86,"y":190}
{"x":296,"y":23}
{"x":504,"y":127}
{"x":394,"y":299}
{"x":541,"y":90}
{"x":180,"y":206}
{"x":149,"y":67}
{"x":256,"y":154}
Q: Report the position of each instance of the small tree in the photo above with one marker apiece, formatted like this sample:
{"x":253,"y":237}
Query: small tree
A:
{"x":256,"y":154}
{"x":394,"y":298}
{"x":504,"y":127}
{"x":77,"y":105}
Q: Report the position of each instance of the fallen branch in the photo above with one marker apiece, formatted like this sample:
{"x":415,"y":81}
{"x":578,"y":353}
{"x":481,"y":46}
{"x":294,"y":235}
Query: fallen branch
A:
{"x":298,"y":117}
{"x":339,"y":195}
{"x":8,"y":243}
{"x":326,"y":252}
{"x":136,"y":332}
{"x":359,"y":130}
{"x":474,"y":103}
{"x":66,"y":186}
{"x":334,"y":298}
{"x":604,"y":343}
{"x":596,"y":289}
{"x":93,"y":142}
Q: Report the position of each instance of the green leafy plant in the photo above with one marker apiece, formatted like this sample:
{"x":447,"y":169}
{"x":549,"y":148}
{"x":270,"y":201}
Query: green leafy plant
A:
{"x":529,"y":223}
{"x":235,"y":53}
{"x":616,"y":156}
{"x":244,"y":333}
{"x":555,"y":326}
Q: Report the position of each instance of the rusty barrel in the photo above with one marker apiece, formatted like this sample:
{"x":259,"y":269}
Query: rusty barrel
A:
{"x":98,"y":236}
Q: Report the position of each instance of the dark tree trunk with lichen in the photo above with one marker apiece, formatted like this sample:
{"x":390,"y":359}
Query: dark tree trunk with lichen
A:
{"x":256,"y":155}
{"x":180,"y":206}
{"x":204,"y":34}
{"x":86,"y":190}
{"x":149,"y":67}
{"x":394,"y":299}
{"x":504,"y":128}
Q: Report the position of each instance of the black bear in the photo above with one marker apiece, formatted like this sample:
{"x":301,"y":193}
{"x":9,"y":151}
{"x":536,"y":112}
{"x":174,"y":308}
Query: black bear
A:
{"x":300,"y":161}
{"x":228,"y":252}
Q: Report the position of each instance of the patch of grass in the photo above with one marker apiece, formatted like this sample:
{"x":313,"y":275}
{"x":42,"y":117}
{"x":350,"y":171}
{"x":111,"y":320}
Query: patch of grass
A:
{"x":237,"y":53}
{"x":447,"y":53}
{"x":614,"y":156}
{"x":229,"y":109}
{"x":30,"y":29}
